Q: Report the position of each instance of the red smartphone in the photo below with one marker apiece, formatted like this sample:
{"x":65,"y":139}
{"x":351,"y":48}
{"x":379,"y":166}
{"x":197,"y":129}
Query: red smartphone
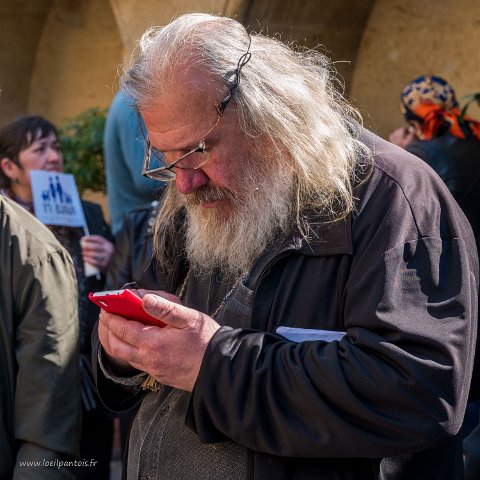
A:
{"x":124,"y":303}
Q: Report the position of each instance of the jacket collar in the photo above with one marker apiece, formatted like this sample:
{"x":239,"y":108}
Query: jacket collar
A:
{"x":324,"y":238}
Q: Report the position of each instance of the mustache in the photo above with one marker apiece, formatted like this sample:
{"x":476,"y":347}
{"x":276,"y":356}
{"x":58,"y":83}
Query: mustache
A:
{"x":209,"y":194}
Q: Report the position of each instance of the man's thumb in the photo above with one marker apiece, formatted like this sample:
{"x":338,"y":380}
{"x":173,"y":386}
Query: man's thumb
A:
{"x":165,"y":310}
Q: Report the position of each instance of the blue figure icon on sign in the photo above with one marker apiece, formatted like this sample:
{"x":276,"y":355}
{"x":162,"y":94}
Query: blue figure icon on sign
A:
{"x":52,"y":189}
{"x":59,"y":189}
{"x":56,"y":199}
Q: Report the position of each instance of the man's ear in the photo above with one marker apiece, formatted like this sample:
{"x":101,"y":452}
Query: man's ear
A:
{"x":9,"y":168}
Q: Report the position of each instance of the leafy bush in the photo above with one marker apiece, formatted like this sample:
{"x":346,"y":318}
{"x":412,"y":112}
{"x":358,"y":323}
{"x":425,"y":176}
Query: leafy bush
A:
{"x":474,"y":97}
{"x":81,"y":139}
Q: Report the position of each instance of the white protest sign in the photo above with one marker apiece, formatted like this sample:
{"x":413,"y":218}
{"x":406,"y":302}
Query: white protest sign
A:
{"x":55,"y":199}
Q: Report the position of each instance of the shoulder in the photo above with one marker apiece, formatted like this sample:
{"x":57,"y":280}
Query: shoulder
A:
{"x":121,"y":110}
{"x":24,"y":234}
{"x":121,"y":102}
{"x":142,"y":217}
{"x":428,"y":150}
{"x":445,"y":151}
{"x":402,"y":187}
{"x":144,"y":209}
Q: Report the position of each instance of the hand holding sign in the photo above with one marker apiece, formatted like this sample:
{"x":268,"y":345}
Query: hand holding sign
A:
{"x":96,"y":251}
{"x":56,"y":202}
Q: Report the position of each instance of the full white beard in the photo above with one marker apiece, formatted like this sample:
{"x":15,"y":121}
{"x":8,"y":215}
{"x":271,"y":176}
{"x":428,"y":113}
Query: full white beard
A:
{"x":233,"y":242}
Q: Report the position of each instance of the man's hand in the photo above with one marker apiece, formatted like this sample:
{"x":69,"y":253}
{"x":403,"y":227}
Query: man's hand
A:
{"x":172,"y":354}
{"x":402,"y":137}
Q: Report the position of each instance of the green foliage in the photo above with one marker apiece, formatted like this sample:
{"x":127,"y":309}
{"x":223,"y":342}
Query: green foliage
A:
{"x":81,"y":139}
{"x":474,"y":97}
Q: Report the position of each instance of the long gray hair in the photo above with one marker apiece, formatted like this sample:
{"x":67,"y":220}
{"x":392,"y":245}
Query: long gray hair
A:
{"x":285,"y":95}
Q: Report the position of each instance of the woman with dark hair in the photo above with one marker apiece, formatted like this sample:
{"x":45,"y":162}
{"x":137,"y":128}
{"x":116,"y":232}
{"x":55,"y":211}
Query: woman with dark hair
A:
{"x":31,"y":143}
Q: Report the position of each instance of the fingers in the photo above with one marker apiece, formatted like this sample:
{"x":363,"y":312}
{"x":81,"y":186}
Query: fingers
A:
{"x":172,"y":354}
{"x":118,"y":353}
{"x":124,"y":339}
{"x":169,"y":296}
{"x":97,"y":251}
{"x":130,"y":344}
{"x":169,"y":311}
{"x":96,"y":259}
{"x":128,"y":331}
{"x":93,"y":239}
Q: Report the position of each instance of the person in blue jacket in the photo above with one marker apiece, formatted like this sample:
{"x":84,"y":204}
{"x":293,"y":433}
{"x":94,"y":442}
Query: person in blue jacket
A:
{"x":123,"y":151}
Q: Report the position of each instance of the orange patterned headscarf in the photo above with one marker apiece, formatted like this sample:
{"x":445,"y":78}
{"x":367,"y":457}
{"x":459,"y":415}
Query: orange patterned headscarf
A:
{"x":429,"y":103}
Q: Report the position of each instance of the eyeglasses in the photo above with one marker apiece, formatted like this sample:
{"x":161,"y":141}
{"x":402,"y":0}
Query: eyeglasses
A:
{"x":198,"y":156}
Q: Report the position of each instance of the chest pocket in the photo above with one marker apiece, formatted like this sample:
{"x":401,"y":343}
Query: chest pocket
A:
{"x":237,"y":309}
{"x":302,"y":292}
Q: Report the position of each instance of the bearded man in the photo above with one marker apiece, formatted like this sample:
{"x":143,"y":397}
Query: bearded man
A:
{"x":317,"y":283}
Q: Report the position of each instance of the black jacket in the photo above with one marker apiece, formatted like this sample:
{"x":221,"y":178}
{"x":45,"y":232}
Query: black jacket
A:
{"x":96,"y":226}
{"x":457,"y":162}
{"x":400,"y":277}
{"x":133,"y":249}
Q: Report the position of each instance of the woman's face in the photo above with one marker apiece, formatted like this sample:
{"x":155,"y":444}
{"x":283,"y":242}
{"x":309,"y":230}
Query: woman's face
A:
{"x":43,"y":154}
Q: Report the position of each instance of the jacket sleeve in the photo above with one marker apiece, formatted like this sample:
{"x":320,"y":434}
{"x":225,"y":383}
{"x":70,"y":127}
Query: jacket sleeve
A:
{"x":395,"y":384}
{"x":118,"y":394}
{"x":47,"y":408}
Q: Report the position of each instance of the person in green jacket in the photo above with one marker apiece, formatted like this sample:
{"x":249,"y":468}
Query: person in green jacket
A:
{"x":39,"y":366}
{"x":32,"y":143}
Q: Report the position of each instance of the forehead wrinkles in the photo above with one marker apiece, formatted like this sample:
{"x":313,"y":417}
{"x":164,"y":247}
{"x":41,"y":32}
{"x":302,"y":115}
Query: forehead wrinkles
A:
{"x":188,"y":92}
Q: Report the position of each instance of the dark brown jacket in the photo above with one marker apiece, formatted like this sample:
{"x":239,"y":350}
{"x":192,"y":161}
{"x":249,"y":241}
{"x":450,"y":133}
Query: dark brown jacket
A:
{"x":400,"y":277}
{"x":457,"y":162}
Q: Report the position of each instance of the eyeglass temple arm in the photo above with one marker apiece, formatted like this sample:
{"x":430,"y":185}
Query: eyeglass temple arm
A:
{"x":242,"y":61}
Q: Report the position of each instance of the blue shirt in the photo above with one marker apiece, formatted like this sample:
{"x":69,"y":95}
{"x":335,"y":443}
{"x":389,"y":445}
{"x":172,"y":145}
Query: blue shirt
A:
{"x":123,"y":149}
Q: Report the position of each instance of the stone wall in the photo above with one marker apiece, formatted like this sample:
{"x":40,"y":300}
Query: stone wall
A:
{"x":63,"y":56}
{"x":76,"y":60}
{"x":407,"y":38}
{"x":22,"y":27}
{"x":60,"y":57}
